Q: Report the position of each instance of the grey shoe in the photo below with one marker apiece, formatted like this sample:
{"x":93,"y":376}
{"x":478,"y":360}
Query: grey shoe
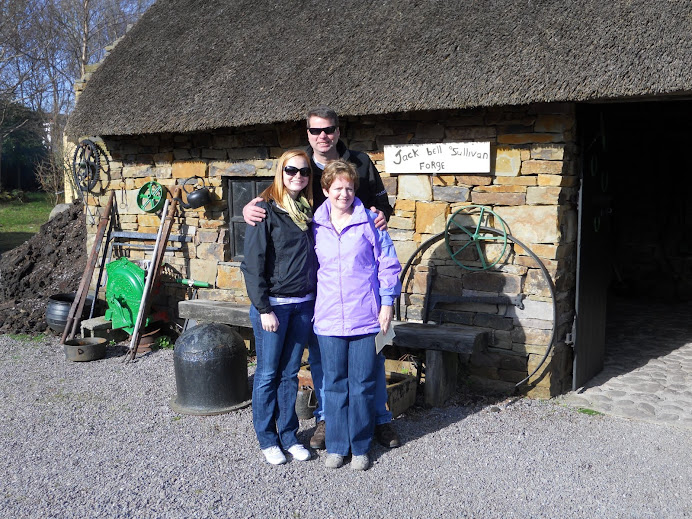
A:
{"x":361,"y":462}
{"x":333,"y":461}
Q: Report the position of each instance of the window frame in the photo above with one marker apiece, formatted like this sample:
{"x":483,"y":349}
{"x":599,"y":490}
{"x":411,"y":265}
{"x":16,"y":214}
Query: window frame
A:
{"x":258,"y":184}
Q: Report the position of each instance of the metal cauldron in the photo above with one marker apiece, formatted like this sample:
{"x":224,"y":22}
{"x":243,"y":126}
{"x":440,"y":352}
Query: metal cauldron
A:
{"x":84,"y":350}
{"x":58,"y":310}
{"x":210,"y":362}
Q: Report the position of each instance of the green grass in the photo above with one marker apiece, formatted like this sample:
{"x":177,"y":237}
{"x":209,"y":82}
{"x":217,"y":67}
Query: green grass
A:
{"x":587,"y":411}
{"x":24,"y":337}
{"x":19,"y":221}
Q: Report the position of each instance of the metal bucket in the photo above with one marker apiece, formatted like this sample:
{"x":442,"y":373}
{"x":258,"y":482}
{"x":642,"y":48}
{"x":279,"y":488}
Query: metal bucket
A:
{"x":306,"y":402}
{"x":210,"y":362}
{"x":82,"y":350}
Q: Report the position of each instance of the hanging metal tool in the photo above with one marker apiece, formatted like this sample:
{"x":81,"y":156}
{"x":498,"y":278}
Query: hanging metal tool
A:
{"x":111,"y":224}
{"x":123,"y":196}
{"x":74,"y":316}
{"x":142,"y":310}
{"x":154,"y":268}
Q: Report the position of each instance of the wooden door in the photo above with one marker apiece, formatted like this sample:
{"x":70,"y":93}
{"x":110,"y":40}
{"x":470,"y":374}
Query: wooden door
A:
{"x":594,"y":261}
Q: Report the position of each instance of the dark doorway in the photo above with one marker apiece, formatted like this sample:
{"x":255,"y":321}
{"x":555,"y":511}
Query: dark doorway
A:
{"x":635,"y":243}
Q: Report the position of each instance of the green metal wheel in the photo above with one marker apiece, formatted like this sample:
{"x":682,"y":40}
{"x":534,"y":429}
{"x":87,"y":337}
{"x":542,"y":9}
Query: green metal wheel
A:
{"x":472,"y":239}
{"x":151,"y":197}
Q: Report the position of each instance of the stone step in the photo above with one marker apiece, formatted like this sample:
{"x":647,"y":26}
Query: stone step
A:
{"x":100,"y":327}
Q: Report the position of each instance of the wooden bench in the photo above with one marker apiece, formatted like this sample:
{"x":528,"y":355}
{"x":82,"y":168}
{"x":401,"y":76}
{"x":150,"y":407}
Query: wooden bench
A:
{"x":443,"y":344}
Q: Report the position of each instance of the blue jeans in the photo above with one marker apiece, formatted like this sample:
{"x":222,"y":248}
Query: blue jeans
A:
{"x":350,"y":365}
{"x":275,"y":386}
{"x":382,"y":413}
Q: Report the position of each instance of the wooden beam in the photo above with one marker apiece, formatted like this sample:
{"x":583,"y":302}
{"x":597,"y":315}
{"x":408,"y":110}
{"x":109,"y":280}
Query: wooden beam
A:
{"x":458,"y":339}
{"x":216,"y":312}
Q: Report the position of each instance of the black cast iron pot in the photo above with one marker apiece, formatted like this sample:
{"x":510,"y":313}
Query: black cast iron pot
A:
{"x":58,"y":308}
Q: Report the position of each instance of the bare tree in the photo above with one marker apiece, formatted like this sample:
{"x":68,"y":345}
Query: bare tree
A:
{"x":13,"y":49}
{"x":46,"y":45}
{"x":50,"y":173}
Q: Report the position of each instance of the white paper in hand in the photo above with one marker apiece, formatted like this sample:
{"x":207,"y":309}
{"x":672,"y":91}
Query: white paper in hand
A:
{"x":384,"y":338}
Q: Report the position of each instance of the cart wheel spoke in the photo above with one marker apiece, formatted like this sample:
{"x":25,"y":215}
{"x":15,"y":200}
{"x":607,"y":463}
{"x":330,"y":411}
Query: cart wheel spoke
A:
{"x":479,"y":235}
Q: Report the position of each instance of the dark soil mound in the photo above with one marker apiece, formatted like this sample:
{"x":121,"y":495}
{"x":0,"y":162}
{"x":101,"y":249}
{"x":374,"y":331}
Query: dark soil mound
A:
{"x":51,"y":262}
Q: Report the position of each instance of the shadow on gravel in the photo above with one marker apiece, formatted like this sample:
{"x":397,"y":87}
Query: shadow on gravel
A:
{"x":116,"y":351}
{"x":420,"y":420}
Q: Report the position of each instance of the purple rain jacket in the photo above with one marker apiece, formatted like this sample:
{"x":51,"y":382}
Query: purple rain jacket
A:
{"x":358,"y":271}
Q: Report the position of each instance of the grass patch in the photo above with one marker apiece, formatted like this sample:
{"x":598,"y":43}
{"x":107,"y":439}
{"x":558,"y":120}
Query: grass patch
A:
{"x":25,"y":337}
{"x":19,"y":221}
{"x":163,"y":342}
{"x":587,"y":411}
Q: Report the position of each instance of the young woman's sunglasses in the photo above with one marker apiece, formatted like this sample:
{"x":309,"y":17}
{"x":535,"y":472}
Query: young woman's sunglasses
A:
{"x":292,"y":170}
{"x":328,"y":130}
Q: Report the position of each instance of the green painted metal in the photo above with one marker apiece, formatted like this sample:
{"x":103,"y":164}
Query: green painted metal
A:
{"x":193,"y":283}
{"x":151,"y":197}
{"x":124,"y":291}
{"x":471,"y":222}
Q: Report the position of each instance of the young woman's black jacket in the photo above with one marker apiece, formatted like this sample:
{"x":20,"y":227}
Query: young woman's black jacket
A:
{"x":279,"y":259}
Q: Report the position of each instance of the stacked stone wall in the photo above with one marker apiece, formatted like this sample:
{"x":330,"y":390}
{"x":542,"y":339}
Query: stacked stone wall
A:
{"x":532,"y":186}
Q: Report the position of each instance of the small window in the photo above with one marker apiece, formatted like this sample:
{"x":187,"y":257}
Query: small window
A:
{"x":240,"y":192}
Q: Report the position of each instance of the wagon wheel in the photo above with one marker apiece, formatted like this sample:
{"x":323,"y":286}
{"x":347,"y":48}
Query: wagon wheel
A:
{"x":151,"y":197}
{"x":86,"y":165}
{"x":471,"y":237}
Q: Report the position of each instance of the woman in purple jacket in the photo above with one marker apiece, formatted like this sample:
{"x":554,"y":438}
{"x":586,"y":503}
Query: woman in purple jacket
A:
{"x":357,"y":282}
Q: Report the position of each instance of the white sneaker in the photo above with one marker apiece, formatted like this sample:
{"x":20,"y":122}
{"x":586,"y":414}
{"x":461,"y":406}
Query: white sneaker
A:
{"x":299,"y":452}
{"x":274,"y":455}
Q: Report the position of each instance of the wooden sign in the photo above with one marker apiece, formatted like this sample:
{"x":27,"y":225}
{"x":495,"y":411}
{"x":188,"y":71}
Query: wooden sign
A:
{"x":444,"y":158}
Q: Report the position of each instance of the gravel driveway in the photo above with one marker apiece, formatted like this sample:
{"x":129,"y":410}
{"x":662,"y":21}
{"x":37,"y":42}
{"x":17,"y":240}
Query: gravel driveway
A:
{"x":98,"y":439}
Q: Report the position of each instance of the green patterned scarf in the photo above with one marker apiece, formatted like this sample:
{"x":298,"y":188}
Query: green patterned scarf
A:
{"x":299,"y":210}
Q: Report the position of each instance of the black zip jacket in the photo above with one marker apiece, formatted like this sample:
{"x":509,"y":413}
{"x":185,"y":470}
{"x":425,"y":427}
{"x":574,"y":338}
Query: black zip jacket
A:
{"x":280,"y":259}
{"x":370,"y":190}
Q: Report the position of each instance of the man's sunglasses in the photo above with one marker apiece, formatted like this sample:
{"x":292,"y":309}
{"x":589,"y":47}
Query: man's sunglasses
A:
{"x":328,"y":130}
{"x":292,"y":170}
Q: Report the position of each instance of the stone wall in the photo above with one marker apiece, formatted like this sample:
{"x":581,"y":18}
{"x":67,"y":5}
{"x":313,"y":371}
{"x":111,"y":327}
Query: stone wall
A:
{"x":532,"y":186}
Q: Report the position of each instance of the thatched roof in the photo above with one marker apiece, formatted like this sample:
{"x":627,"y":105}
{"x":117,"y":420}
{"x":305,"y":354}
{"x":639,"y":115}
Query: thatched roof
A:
{"x":192,"y":65}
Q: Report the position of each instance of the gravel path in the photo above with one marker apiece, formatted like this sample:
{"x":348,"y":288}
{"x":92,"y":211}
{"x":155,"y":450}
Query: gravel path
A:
{"x":98,"y":439}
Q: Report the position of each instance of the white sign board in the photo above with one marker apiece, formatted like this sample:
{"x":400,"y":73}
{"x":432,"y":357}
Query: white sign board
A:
{"x":445,"y":158}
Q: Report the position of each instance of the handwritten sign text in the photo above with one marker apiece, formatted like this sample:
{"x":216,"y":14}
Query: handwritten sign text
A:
{"x":446,"y":158}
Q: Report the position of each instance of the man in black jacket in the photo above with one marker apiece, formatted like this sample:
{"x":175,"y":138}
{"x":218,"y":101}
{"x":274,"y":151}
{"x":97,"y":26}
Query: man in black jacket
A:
{"x":323,"y":136}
